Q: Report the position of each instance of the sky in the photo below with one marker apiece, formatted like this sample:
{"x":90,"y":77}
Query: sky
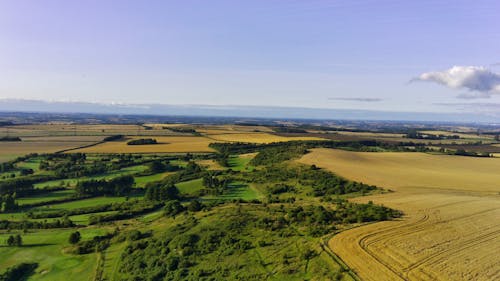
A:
{"x":390,"y":55}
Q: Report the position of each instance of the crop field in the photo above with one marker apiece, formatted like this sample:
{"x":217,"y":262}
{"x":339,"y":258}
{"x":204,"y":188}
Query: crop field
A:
{"x":47,"y":130}
{"x":450,"y":230}
{"x":256,"y":137}
{"x":172,"y":144}
{"x":11,"y":150}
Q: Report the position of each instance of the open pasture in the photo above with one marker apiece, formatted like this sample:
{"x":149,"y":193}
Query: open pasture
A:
{"x":45,"y":248}
{"x":451,"y":204}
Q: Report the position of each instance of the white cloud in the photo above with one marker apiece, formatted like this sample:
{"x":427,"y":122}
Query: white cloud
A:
{"x":481,"y":81}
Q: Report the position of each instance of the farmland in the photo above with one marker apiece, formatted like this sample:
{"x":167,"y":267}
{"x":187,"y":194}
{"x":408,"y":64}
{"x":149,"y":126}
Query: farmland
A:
{"x":450,"y":203}
{"x":236,"y":194}
{"x":117,"y":195}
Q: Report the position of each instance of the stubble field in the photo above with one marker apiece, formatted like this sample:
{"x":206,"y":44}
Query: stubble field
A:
{"x":450,"y":230}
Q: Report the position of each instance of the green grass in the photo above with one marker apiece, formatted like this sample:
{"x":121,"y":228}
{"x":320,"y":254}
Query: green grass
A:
{"x":238,"y":190}
{"x":109,"y":175}
{"x":66,"y":206}
{"x":81,"y":204}
{"x":190,"y":187}
{"x":237,"y":163}
{"x":180,"y":163}
{"x":46,"y":248}
{"x":46,"y":197}
{"x":143,"y":180}
{"x":31,"y":163}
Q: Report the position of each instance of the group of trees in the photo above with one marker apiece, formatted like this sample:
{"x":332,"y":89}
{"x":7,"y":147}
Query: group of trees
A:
{"x":161,"y":192}
{"x":18,"y":272}
{"x":7,"y":203}
{"x":118,"y":186}
{"x":15,"y":240}
{"x":413,"y":134}
{"x":142,"y":142}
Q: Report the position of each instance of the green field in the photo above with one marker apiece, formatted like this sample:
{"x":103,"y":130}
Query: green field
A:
{"x":141,"y":181}
{"x":240,"y":163}
{"x":109,"y":175}
{"x":190,"y":187}
{"x":46,"y":248}
{"x":46,"y":197}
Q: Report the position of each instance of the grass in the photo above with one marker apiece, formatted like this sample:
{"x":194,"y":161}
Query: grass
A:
{"x":190,"y":187}
{"x":32,"y":163}
{"x":143,"y":180}
{"x":109,"y":175}
{"x":81,"y":203}
{"x":45,"y":197}
{"x":46,"y":248}
{"x":240,"y":162}
{"x":238,"y":190}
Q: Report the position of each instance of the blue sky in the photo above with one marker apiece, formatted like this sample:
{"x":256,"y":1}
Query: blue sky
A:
{"x":325,"y":54}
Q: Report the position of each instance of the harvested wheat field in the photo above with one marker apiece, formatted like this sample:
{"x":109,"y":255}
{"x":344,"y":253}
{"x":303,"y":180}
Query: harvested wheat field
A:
{"x":11,"y":150}
{"x":451,"y":227}
{"x":256,"y":138}
{"x":165,"y":145}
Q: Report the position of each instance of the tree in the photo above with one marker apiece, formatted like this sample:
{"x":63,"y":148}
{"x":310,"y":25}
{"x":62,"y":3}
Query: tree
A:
{"x":172,"y":208}
{"x":15,"y":240}
{"x":10,"y":241}
{"x":195,"y":206}
{"x":74,"y":237}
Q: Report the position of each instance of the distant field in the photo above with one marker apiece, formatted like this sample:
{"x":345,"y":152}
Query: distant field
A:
{"x":450,"y":230}
{"x":41,"y":130}
{"x":256,"y":137}
{"x":396,"y":170}
{"x":11,"y":150}
{"x":165,"y":144}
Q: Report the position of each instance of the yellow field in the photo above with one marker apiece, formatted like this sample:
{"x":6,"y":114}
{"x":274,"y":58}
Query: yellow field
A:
{"x":11,"y":150}
{"x":257,"y":138}
{"x":165,"y":145}
{"x":81,"y":130}
{"x":450,"y":230}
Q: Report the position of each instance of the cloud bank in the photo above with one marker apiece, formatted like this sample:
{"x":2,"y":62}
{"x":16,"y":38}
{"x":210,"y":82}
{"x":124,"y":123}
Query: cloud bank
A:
{"x":357,"y":99}
{"x":480,"y":81}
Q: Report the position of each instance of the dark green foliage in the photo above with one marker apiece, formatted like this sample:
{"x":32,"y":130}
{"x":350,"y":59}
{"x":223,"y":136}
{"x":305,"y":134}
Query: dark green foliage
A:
{"x":142,"y":142}
{"x":97,"y":244}
{"x":277,"y":154}
{"x":10,"y":139}
{"x":195,"y":206}
{"x":134,"y":211}
{"x":115,"y":187}
{"x":18,"y":272}
{"x":322,"y":182}
{"x":74,"y":237}
{"x":173,"y":208}
{"x":7,"y":203}
{"x":280,"y":188}
{"x":62,"y":223}
{"x":161,"y":192}
{"x":284,"y":129}
{"x":15,"y":240}
{"x":113,"y":138}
